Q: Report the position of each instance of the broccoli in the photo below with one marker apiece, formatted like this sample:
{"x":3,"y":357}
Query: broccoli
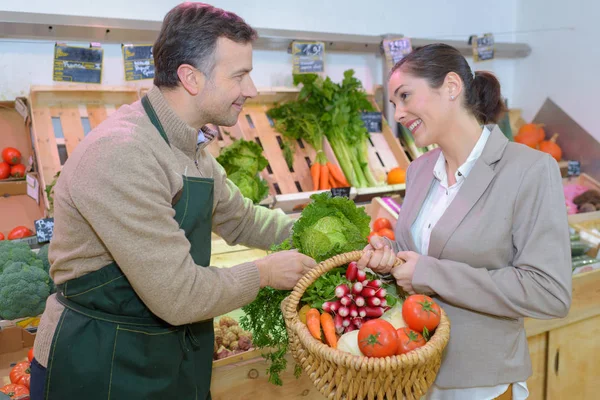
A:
{"x":11,"y":252}
{"x":23,"y":291}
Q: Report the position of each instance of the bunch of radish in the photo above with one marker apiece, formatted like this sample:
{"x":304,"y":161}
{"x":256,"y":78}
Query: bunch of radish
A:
{"x":356,"y":302}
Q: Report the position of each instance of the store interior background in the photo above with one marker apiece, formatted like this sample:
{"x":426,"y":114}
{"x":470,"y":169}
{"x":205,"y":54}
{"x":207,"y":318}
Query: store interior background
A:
{"x":562,"y":66}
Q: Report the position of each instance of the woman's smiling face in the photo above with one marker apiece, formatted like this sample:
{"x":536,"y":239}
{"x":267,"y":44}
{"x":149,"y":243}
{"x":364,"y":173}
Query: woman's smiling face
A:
{"x":422,"y":110}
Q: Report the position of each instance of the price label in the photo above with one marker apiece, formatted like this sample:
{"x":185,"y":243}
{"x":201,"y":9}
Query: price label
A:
{"x":395,"y":50}
{"x":138,"y":62}
{"x":573,"y":168}
{"x":77,"y":64}
{"x":483,"y":47}
{"x":373,"y":121}
{"x":340,"y":192}
{"x":308,"y":57}
{"x":44,"y":228}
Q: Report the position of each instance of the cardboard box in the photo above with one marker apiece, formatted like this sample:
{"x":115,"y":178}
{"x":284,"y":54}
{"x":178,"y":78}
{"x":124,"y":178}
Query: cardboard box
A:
{"x":16,"y":207}
{"x":15,"y":343}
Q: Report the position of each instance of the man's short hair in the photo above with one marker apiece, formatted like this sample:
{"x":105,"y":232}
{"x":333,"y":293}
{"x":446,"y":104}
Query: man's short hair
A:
{"x":189,"y":35}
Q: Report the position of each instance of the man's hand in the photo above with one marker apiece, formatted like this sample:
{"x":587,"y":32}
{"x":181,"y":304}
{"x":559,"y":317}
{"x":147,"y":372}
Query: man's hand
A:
{"x":404,"y":273}
{"x":283,"y":269}
{"x":378,"y":256}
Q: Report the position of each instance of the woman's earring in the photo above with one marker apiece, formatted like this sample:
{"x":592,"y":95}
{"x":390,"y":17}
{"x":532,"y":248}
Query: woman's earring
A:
{"x":451,"y":97}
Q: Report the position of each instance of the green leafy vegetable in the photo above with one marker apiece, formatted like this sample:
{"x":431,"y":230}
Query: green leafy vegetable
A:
{"x":325,"y":108}
{"x":324,"y":288}
{"x":243,"y":160}
{"x":329,"y":226}
{"x":24,"y":289}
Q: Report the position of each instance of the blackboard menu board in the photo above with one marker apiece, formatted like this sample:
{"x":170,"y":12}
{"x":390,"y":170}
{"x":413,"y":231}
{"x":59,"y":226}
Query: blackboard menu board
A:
{"x":372,"y":120}
{"x":138,"y":61}
{"x":44,"y":228}
{"x":307,"y":57}
{"x":483,"y":47}
{"x":573,"y":168}
{"x":340,"y":192}
{"x":77,"y":64}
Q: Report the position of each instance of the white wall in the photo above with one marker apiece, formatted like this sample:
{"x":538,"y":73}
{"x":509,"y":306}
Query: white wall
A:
{"x":564,"y":64}
{"x":23,"y":63}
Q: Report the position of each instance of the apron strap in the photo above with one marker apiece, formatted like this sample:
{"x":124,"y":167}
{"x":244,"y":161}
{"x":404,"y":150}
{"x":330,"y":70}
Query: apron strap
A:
{"x":158,"y":125}
{"x":154,"y":118}
{"x":106,"y":317}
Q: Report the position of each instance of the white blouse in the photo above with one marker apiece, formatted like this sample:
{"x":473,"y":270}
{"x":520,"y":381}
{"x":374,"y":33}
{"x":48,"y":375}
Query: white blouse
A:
{"x":437,"y":201}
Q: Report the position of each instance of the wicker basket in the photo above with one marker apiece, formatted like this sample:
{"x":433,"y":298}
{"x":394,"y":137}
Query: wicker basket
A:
{"x":341,"y":375}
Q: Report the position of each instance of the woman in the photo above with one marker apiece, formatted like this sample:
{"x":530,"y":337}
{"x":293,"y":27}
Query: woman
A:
{"x":483,"y":228}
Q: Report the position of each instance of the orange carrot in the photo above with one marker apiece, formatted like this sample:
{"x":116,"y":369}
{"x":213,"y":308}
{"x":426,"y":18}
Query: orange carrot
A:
{"x":315,"y":173}
{"x":329,"y":329}
{"x":332,"y":182}
{"x":324,"y":178}
{"x":313,"y":323}
{"x":337,"y":174}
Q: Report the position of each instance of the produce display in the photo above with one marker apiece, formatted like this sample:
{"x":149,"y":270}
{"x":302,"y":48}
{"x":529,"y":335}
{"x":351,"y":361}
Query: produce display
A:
{"x":15,"y":391}
{"x":580,"y":198}
{"x":331,"y":110}
{"x":24,"y":281}
{"x":579,"y":256}
{"x":10,"y":165}
{"x":243,"y":160}
{"x":230,"y":338}
{"x":533,"y":135}
{"x":20,"y":375}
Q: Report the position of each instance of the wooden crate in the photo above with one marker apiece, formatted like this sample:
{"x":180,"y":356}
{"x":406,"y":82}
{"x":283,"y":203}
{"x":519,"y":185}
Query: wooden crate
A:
{"x":292,"y":187}
{"x":63,"y":115}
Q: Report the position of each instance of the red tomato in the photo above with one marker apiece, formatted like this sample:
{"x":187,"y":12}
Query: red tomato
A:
{"x":19,"y":232}
{"x":11,"y":155}
{"x":1,"y":236}
{"x":408,"y":340}
{"x":371,"y":235}
{"x":30,"y":354}
{"x":420,"y":311}
{"x":377,"y":338}
{"x":17,"y":171}
{"x":388,"y":233}
{"x":13,"y":390}
{"x":20,"y":373}
{"x":381,"y":223}
{"x":4,"y":170}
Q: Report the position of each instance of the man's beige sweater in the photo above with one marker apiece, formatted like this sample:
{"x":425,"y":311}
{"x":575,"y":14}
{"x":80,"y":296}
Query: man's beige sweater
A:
{"x":113,"y":203}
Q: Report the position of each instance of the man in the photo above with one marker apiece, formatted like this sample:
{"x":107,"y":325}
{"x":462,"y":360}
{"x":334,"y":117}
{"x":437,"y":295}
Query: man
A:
{"x":134,"y":208}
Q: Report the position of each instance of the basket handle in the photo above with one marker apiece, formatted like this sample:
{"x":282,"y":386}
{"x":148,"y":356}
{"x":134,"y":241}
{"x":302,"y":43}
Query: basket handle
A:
{"x":311,"y":276}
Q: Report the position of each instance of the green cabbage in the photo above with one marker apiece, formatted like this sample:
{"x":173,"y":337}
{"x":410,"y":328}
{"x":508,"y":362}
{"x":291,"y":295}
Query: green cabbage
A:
{"x":330,"y":226}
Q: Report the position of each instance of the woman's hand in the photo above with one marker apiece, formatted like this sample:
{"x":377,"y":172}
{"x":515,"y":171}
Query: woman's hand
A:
{"x":378,"y":256}
{"x":404,"y":273}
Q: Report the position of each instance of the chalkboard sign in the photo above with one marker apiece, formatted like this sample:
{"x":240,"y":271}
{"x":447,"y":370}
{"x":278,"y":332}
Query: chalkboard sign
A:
{"x":77,"y":64}
{"x":372,"y":120}
{"x":573,"y":168}
{"x":308,"y":57}
{"x":483,"y":47}
{"x":44,"y":228}
{"x":340,"y":192}
{"x":138,"y":62}
{"x":395,"y":50}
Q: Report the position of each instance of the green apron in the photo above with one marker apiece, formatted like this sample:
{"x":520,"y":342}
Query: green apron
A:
{"x":109,"y":345}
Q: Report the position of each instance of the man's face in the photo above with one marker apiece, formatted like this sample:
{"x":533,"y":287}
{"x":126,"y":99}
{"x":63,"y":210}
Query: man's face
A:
{"x":229,"y":85}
